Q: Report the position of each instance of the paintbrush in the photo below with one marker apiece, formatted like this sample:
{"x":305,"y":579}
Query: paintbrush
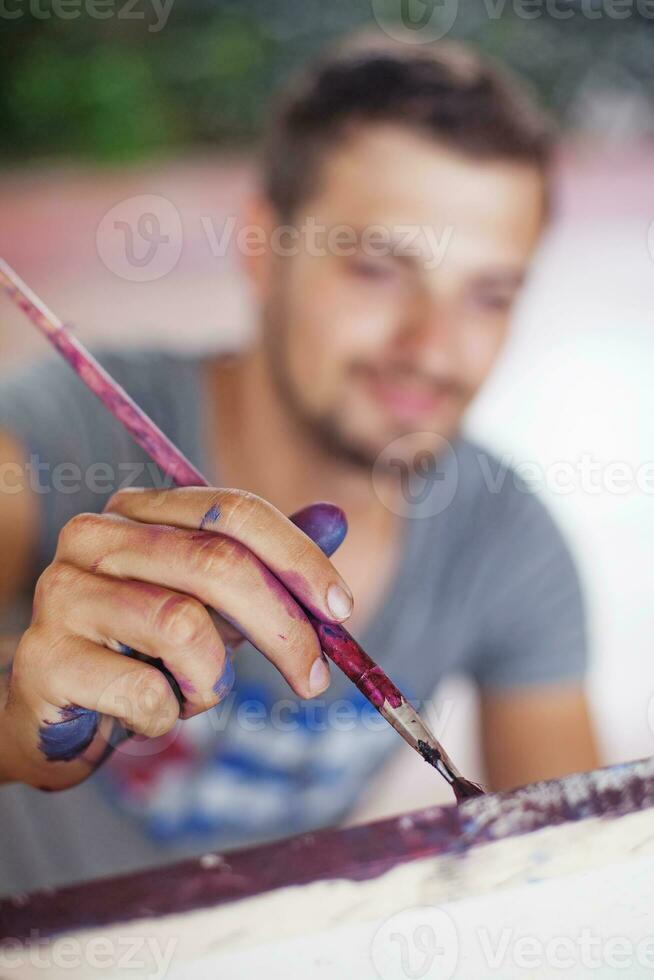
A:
{"x":335,"y":640}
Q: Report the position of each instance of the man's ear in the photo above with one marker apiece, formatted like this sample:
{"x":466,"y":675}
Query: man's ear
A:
{"x":258,"y":222}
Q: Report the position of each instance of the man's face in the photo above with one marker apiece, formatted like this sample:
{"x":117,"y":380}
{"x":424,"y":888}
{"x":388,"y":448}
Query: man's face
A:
{"x":391,"y":325}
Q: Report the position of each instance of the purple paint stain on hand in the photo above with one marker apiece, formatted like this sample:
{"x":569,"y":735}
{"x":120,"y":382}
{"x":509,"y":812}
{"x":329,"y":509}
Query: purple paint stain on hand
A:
{"x":324,"y":523}
{"x":225,"y":682}
{"x":211,"y":517}
{"x":65,"y":740}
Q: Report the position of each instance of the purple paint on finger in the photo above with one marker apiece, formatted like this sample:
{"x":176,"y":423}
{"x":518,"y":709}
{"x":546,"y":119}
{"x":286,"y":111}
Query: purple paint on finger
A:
{"x":293,"y":581}
{"x":324,"y":523}
{"x":211,"y":517}
{"x":65,"y":740}
{"x":225,"y":682}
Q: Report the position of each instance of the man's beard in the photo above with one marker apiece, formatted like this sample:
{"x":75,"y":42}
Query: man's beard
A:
{"x":325,"y":430}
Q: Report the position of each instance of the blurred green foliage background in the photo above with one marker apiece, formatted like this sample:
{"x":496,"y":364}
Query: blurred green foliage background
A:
{"x":119,"y":89}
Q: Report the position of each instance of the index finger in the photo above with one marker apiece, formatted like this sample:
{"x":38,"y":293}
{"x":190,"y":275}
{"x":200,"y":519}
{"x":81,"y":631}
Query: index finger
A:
{"x":286,"y":550}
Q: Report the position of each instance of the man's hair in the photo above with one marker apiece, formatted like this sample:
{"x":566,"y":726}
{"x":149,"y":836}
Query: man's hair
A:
{"x":447,"y":91}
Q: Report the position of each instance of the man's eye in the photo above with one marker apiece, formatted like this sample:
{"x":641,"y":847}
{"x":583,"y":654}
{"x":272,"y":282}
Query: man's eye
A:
{"x":492,"y":300}
{"x":372,"y":269}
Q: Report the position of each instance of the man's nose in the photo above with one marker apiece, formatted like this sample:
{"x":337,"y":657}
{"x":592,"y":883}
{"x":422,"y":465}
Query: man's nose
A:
{"x":430,"y":330}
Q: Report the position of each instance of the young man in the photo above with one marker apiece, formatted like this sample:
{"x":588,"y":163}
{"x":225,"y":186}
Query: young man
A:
{"x":369,"y":338}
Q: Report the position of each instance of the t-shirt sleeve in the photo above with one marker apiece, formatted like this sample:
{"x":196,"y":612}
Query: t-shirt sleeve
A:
{"x":532,"y":614}
{"x":77,"y":455}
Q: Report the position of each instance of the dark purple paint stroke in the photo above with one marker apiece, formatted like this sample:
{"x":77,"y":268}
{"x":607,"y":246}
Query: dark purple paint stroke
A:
{"x":65,"y":740}
{"x":358,"y":853}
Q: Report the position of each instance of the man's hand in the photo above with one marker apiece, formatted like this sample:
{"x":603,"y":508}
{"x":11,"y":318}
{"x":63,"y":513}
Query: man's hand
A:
{"x":143,"y":577}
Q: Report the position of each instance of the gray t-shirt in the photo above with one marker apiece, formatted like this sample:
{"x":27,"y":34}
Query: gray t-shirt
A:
{"x":485,"y":586}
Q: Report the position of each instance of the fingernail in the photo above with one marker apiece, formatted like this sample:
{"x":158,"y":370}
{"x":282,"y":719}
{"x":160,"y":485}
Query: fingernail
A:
{"x":339,"y":601}
{"x":319,"y":678}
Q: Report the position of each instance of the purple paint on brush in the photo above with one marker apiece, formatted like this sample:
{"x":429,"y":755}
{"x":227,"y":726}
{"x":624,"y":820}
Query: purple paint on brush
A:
{"x":357,"y":665}
{"x":326,"y":524}
{"x":65,"y":740}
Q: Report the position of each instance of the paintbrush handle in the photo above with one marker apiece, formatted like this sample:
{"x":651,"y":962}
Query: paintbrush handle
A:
{"x":140,"y":426}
